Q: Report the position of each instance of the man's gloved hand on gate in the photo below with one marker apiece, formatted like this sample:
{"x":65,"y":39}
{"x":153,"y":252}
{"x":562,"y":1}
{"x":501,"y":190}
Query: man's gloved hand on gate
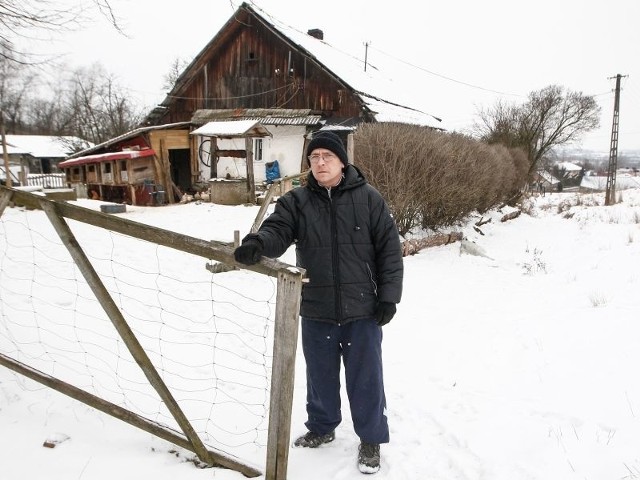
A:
{"x":249,"y":252}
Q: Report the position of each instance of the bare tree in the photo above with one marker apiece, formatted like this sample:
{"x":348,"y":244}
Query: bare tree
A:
{"x":95,"y":107}
{"x":175,"y":70}
{"x":549,"y":118}
{"x":26,"y":19}
{"x":16,"y":82}
{"x":88,"y":103}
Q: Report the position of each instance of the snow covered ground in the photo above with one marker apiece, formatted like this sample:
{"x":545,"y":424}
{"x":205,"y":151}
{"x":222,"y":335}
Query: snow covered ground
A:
{"x":519,"y":366}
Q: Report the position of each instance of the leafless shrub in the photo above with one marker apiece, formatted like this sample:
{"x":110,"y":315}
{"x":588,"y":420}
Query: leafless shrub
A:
{"x":598,"y":299}
{"x":536,"y":263}
{"x":565,"y":205}
{"x":528,"y":207}
{"x":433,"y":179}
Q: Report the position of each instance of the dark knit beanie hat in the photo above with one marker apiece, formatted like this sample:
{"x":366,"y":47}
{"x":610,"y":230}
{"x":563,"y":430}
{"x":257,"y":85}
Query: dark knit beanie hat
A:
{"x":330,"y":141}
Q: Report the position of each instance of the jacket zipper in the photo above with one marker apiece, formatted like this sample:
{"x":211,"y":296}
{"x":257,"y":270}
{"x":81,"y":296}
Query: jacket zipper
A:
{"x":334,"y":253}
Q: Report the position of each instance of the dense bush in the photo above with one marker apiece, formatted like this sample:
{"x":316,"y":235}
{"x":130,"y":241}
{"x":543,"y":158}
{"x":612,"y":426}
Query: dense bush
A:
{"x":433,"y":179}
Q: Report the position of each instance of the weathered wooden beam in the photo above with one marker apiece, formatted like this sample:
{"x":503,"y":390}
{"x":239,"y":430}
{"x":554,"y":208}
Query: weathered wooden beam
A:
{"x":5,"y":199}
{"x":283,"y":373}
{"x":210,"y":250}
{"x":123,"y":414}
{"x":510,"y":216}
{"x":231,"y":153}
{"x":251,"y":181}
{"x":271,"y":192}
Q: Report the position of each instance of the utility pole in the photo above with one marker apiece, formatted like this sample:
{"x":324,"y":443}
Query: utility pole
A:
{"x":366,"y":53}
{"x":610,"y":195}
{"x":5,"y":154}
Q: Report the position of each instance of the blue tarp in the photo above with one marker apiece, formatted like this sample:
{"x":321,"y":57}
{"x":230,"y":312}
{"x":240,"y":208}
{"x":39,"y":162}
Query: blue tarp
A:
{"x":273,"y":171}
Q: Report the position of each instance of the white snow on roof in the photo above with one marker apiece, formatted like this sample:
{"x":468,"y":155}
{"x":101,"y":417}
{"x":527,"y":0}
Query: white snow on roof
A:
{"x":600,"y":183}
{"x":43,"y":146}
{"x":548,"y":177}
{"x":235,"y":128}
{"x":569,"y":167}
{"x":381,"y":85}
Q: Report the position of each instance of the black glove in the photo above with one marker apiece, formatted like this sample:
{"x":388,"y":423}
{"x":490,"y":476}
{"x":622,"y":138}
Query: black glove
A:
{"x":385,"y":312}
{"x":249,"y":252}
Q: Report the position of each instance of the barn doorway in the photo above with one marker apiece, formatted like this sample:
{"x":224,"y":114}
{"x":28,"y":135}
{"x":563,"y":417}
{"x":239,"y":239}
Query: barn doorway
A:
{"x":180,"y":161}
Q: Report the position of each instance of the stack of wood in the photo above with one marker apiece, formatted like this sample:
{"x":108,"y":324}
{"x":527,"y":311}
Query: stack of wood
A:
{"x":413,"y":246}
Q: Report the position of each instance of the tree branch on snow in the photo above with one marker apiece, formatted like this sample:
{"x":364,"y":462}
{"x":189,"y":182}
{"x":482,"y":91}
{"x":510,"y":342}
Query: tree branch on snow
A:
{"x":413,"y":246}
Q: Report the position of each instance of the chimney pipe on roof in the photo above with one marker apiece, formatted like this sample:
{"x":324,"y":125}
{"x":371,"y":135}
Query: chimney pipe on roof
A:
{"x":316,"y":33}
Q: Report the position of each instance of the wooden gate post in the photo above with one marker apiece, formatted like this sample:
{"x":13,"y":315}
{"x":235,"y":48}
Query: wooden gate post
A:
{"x":283,"y":372}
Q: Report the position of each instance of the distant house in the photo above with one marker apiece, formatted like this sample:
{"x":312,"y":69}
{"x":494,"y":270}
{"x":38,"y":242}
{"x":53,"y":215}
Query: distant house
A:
{"x":289,"y":82}
{"x":591,"y":183}
{"x":570,"y":174}
{"x":570,"y":170}
{"x":544,"y":181}
{"x":42,"y":153}
{"x":34,"y":159}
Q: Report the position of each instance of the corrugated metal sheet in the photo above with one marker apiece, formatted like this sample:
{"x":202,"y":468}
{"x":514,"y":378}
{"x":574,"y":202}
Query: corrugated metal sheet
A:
{"x":265,"y":116}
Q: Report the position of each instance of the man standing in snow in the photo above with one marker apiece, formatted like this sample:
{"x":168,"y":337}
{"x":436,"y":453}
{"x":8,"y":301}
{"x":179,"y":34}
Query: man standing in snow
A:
{"x":349,"y":245}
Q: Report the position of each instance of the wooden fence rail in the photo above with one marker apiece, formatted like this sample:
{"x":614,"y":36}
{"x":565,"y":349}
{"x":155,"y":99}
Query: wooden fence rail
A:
{"x":47,"y":180}
{"x":289,"y":286}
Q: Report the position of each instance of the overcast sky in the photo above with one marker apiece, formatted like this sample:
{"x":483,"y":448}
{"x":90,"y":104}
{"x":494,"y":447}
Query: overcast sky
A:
{"x":464,"y":54}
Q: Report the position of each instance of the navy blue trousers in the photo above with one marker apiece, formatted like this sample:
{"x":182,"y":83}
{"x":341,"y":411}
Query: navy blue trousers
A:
{"x":359,"y":343}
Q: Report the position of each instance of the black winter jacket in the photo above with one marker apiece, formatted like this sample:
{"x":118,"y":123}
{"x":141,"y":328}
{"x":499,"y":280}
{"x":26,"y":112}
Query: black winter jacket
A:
{"x":346,"y":240}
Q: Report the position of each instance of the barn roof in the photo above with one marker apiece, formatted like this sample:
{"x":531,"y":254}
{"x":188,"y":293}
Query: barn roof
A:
{"x":377,"y":89}
{"x":128,"y":135}
{"x":376,"y":86}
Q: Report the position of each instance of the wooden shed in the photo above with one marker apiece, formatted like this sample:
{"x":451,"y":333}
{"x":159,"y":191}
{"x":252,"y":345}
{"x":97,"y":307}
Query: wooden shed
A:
{"x":223,"y":191}
{"x":147,"y":166}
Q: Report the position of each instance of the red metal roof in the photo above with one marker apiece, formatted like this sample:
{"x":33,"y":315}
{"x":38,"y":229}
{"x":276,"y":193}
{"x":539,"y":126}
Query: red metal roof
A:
{"x":107,"y":157}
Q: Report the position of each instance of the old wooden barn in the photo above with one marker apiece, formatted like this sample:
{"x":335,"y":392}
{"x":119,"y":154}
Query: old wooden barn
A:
{"x":290,"y":82}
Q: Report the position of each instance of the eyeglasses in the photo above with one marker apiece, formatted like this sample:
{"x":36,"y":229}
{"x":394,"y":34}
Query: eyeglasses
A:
{"x":326,"y":157}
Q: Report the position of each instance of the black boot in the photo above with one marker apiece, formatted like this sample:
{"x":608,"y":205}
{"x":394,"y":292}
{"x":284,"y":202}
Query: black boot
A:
{"x":369,"y":457}
{"x":314,"y":440}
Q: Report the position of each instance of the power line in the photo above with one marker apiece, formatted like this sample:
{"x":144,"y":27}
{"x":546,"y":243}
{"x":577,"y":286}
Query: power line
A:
{"x":446,"y":77}
{"x":265,"y":92}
